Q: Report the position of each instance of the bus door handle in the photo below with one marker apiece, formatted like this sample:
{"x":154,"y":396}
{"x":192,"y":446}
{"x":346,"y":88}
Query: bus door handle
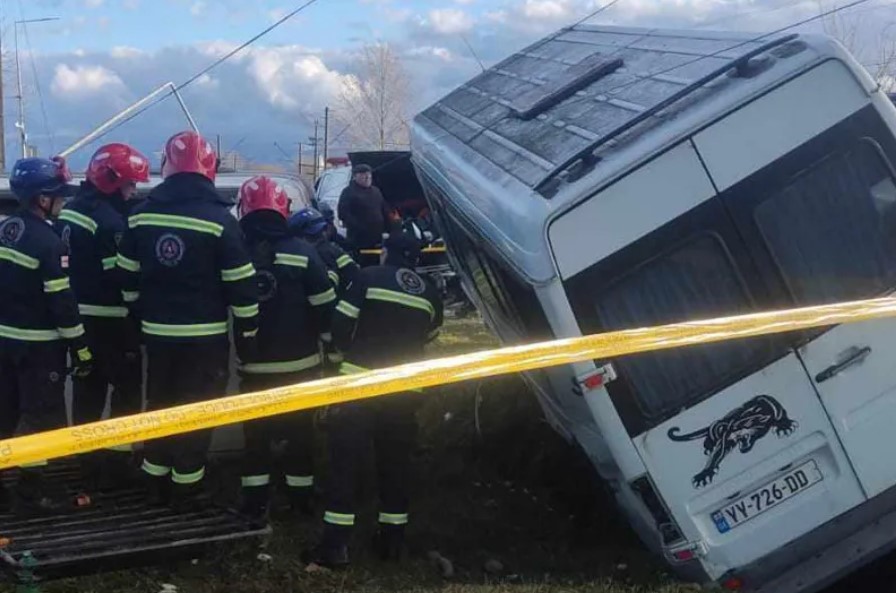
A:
{"x":850,"y":357}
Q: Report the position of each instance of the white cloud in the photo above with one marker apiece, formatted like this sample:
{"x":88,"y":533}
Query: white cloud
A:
{"x":131,"y":4}
{"x":426,"y":51}
{"x":207,"y":82}
{"x":81,"y":81}
{"x":465,"y":2}
{"x":198,"y":7}
{"x":219,"y":48}
{"x":93,"y":3}
{"x":548,"y":9}
{"x":450,"y":21}
{"x":276,"y":14}
{"x":496,"y":16}
{"x":124,"y":52}
{"x":291,"y":77}
{"x":79,"y":52}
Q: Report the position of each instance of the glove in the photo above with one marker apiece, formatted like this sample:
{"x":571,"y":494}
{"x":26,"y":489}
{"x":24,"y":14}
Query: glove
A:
{"x":82,"y":363}
{"x":246,"y":345}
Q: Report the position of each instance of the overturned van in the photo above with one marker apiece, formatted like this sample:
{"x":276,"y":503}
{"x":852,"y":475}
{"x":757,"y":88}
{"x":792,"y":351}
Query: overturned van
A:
{"x":608,"y":178}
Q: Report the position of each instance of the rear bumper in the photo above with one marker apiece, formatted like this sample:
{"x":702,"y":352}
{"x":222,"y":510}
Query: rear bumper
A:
{"x":829,"y":552}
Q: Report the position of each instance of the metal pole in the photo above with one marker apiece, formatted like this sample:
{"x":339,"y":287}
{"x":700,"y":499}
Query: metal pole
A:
{"x":315,"y":151}
{"x":21,"y":99}
{"x":101,"y":129}
{"x":300,"y":157}
{"x":326,"y":133}
{"x":2,"y":120}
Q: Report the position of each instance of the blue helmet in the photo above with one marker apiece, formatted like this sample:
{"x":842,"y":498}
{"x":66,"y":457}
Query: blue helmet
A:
{"x":307,"y":222}
{"x":35,"y":176}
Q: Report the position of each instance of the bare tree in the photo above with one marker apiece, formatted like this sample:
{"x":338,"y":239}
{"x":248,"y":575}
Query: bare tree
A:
{"x":374,"y":103}
{"x":872,"y":44}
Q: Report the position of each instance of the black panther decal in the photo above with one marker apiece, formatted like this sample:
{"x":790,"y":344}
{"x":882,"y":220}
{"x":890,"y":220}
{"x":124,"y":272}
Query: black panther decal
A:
{"x":741,"y":428}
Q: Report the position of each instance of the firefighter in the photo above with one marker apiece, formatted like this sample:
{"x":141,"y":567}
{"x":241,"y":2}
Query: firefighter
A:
{"x":39,"y":321}
{"x":91,"y":226}
{"x":183,"y":264}
{"x":296,"y":302}
{"x":332,"y":232}
{"x":312,"y":226}
{"x":386,"y":318}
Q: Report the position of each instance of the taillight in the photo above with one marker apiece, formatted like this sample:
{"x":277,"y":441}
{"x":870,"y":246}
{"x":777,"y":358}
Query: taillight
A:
{"x":733,"y":584}
{"x":684,"y":555}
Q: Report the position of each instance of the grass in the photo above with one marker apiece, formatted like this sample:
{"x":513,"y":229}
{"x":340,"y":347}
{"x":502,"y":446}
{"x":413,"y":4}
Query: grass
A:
{"x":509,"y":493}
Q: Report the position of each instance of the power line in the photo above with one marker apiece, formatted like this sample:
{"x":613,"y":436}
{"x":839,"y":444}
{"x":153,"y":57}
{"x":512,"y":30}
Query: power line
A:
{"x":211,"y":66}
{"x":40,"y":94}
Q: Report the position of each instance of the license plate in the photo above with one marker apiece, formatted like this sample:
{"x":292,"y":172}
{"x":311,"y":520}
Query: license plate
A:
{"x":767,"y":497}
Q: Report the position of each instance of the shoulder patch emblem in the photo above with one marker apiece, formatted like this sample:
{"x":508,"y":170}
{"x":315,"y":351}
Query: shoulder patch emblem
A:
{"x":410,"y":282}
{"x":170,"y":249}
{"x":117,"y":237}
{"x":12,"y":230}
{"x":267,"y":285}
{"x":66,"y":235}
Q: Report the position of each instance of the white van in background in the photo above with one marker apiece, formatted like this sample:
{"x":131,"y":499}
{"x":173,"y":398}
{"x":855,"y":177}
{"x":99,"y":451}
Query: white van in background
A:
{"x":611,"y":178}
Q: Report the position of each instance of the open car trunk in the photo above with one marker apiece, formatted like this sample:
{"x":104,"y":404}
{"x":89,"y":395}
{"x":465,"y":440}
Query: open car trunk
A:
{"x":395,"y":177}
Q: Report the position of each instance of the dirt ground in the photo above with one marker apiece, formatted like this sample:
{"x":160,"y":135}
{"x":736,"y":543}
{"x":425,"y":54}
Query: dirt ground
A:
{"x":500,"y":497}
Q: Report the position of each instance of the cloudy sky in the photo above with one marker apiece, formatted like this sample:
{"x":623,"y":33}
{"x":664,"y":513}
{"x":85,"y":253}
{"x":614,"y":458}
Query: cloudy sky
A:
{"x":102,"y":55}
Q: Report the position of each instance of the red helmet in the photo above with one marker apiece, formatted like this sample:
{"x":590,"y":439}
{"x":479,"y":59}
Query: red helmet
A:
{"x":263,"y":193}
{"x":188,"y":152}
{"x":115,"y":165}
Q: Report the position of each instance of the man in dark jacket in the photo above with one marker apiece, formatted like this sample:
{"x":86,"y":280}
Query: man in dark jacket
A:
{"x":184,"y":265}
{"x":363,"y":210}
{"x":92,"y":225}
{"x":385,"y":319}
{"x":297,"y":299}
{"x":39,"y":321}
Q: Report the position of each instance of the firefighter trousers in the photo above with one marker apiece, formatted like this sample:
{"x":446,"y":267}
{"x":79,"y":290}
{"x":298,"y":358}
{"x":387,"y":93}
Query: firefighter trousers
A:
{"x":388,"y":426}
{"x":296,"y":428}
{"x":32,"y":387}
{"x":180,"y":373}
{"x":118,"y":363}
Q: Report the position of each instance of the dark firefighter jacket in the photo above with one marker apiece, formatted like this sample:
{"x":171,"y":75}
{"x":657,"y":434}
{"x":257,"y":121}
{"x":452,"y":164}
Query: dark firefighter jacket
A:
{"x":341,"y":268}
{"x":36,"y":300}
{"x":386,"y":318}
{"x":91,"y":225}
{"x":183,"y":264}
{"x":296,"y":301}
{"x":365,"y":214}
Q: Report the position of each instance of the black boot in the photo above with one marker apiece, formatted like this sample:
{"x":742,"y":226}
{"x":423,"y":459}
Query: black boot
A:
{"x":332,"y":551}
{"x":255,"y":503}
{"x":119,"y":470}
{"x":158,"y":490}
{"x":35,"y":495}
{"x":5,"y":499}
{"x":301,"y":500}
{"x":388,"y":543}
{"x":186,"y":498}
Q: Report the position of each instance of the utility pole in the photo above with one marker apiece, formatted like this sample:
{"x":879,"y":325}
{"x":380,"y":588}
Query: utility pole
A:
{"x":2,"y":121}
{"x":23,"y":137}
{"x":20,"y":124}
{"x":315,"y":143}
{"x":326,"y":133}
{"x":301,"y":146}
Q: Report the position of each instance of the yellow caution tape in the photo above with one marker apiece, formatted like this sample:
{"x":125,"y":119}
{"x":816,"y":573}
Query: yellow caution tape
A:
{"x":424,"y":250}
{"x":228,"y":410}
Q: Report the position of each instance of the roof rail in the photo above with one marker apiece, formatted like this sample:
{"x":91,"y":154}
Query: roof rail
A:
{"x":566,"y":84}
{"x":586,"y":152}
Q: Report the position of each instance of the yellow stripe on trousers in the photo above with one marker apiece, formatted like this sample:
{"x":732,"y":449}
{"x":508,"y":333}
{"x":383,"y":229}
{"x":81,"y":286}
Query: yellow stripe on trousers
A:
{"x":239,"y":408}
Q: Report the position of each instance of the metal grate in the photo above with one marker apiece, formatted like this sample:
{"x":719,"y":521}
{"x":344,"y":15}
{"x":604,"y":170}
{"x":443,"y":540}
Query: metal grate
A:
{"x":117,"y":530}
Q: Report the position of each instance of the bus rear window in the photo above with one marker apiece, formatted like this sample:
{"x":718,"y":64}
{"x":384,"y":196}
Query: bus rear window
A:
{"x":696,"y":276}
